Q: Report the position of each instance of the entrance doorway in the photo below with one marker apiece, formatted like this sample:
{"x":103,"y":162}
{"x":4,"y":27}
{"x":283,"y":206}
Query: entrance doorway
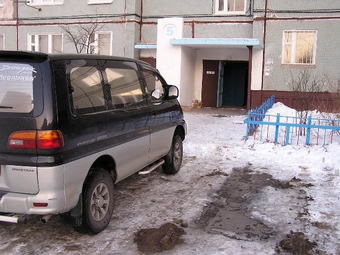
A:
{"x":225,"y":83}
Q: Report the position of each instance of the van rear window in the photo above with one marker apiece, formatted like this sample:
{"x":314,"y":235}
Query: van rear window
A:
{"x":16,"y":87}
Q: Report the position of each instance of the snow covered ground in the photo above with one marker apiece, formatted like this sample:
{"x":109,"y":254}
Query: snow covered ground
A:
{"x":215,"y":144}
{"x":220,"y":142}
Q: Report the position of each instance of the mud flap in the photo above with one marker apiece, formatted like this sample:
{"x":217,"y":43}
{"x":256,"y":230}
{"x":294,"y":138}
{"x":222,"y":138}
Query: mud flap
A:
{"x":74,"y":217}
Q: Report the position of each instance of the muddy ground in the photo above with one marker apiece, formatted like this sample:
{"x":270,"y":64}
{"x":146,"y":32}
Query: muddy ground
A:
{"x":212,"y":206}
{"x":228,"y":215}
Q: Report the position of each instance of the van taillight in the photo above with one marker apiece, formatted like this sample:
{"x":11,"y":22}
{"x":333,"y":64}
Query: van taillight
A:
{"x":45,"y":140}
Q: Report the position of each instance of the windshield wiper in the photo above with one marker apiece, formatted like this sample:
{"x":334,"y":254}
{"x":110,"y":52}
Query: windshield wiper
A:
{"x":3,"y":106}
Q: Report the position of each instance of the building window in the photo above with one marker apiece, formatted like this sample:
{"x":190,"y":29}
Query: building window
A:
{"x":49,"y":43}
{"x":230,"y":6}
{"x":299,"y":47}
{"x":1,"y":3}
{"x":2,"y":42}
{"x":45,"y":2}
{"x":100,"y":43}
{"x":99,"y":1}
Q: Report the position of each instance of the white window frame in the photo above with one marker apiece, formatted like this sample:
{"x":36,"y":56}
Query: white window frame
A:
{"x":225,"y":11}
{"x":96,"y":43}
{"x":99,"y":1}
{"x":36,"y":45}
{"x":293,"y":46}
{"x":42,"y":2}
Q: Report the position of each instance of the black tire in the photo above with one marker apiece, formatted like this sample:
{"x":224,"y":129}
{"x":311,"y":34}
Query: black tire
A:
{"x":173,"y":161}
{"x":97,"y":201}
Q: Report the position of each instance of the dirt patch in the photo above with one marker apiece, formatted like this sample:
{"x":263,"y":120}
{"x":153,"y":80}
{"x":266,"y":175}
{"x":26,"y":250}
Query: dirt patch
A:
{"x":215,"y":173}
{"x":228,"y":213}
{"x":153,"y":240}
{"x":297,"y":244}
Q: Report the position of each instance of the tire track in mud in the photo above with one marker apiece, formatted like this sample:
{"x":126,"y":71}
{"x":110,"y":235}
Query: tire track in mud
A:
{"x":228,"y":214}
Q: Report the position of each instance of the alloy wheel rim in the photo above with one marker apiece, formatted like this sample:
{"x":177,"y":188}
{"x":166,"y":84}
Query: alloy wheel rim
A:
{"x":100,"y":201}
{"x":177,"y":153}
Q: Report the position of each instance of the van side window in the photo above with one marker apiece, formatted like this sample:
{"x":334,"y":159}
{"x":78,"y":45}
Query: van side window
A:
{"x":153,"y":81}
{"x":87,"y":90}
{"x":103,"y":85}
{"x":123,"y":83}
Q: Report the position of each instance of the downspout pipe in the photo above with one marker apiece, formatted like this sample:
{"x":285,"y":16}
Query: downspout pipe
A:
{"x":17,"y":21}
{"x":264,"y":43}
{"x":250,"y":70}
{"x":141,"y":20}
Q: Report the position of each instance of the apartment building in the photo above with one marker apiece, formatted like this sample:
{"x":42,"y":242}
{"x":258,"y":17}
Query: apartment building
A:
{"x":221,"y":53}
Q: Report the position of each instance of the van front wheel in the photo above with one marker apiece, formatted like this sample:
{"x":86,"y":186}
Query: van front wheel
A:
{"x":98,"y":201}
{"x":173,"y":160}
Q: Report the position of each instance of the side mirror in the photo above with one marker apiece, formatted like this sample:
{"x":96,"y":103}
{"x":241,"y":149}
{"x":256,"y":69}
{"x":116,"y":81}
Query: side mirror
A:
{"x":173,"y":92}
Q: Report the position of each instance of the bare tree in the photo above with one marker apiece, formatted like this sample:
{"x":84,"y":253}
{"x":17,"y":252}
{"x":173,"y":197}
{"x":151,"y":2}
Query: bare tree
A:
{"x":315,"y":92}
{"x":333,"y":87}
{"x":306,"y":88}
{"x":82,"y":36}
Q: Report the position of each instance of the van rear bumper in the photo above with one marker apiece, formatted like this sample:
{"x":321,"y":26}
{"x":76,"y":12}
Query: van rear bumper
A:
{"x":51,"y":198}
{"x":48,"y":203}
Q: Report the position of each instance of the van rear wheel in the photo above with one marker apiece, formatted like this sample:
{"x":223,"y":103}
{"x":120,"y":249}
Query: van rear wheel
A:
{"x":97,"y":201}
{"x":173,"y":161}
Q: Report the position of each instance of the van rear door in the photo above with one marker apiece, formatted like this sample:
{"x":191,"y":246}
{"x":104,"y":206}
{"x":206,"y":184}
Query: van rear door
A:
{"x":20,"y":89}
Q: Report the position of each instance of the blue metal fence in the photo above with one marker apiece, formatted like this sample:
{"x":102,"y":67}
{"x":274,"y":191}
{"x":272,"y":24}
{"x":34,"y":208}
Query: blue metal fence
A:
{"x":291,"y":129}
{"x":257,"y":114}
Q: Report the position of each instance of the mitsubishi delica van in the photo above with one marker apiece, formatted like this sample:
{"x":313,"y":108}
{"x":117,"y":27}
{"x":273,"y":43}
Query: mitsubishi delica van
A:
{"x":71,"y":126}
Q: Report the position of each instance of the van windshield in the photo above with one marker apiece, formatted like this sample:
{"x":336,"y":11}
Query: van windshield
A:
{"x":16,"y":87}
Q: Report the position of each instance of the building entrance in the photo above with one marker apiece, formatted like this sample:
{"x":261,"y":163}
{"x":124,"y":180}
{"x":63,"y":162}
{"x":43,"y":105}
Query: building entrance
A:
{"x":225,"y":83}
